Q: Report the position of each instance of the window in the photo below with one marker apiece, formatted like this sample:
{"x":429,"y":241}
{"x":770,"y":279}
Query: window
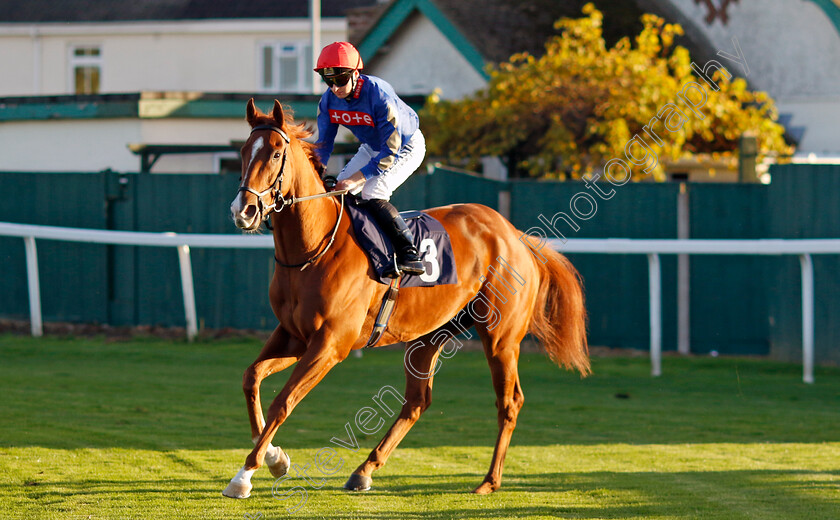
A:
{"x":285,"y":67}
{"x":85,"y":69}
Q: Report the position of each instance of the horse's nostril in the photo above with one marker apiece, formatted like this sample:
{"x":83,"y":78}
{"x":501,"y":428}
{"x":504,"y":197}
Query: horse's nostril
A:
{"x":250,"y":211}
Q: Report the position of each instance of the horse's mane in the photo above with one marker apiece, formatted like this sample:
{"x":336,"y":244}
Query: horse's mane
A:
{"x":299,"y":131}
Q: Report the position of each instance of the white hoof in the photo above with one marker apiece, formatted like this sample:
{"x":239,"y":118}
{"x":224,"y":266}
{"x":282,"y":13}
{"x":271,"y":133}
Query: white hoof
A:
{"x":279,"y":464}
{"x":240,"y":485}
{"x":238,"y":490}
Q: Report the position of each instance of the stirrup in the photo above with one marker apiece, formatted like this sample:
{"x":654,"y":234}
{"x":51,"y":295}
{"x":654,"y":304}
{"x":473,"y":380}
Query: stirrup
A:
{"x":398,"y":267}
{"x":393,"y":270}
{"x":411,"y":266}
{"x":410,"y":261}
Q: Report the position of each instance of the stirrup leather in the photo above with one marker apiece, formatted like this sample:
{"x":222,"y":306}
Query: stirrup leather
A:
{"x":389,"y":301}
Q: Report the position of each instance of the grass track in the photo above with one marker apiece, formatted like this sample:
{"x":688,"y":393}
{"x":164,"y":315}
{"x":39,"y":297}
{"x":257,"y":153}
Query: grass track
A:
{"x":155,"y":429}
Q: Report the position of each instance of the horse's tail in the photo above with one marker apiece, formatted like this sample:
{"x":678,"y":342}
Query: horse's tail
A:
{"x":559,"y":318}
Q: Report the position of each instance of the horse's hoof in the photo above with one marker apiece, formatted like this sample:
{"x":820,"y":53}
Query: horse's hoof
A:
{"x":238,"y":490}
{"x":358,"y":482}
{"x":281,"y":466}
{"x":485,"y":488}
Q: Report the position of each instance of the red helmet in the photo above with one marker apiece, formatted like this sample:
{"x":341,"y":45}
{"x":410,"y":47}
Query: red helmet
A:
{"x":339,"y":55}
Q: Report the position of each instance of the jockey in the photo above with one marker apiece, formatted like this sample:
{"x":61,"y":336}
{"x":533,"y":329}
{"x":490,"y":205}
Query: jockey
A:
{"x":392,"y":146}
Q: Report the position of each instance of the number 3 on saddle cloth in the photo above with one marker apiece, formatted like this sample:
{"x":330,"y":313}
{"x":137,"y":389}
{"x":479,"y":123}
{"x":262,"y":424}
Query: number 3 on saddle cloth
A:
{"x":432,"y":242}
{"x":430,"y":239}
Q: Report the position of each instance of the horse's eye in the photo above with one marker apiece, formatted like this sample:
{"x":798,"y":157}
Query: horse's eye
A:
{"x":276,"y":155}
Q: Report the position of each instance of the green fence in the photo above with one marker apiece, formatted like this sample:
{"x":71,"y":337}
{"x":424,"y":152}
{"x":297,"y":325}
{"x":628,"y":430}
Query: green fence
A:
{"x":123,"y":285}
{"x":615,"y":286}
{"x":73,"y":276}
{"x":729,"y":296}
{"x":804,"y":202}
{"x":743,"y":305}
{"x":231,"y":286}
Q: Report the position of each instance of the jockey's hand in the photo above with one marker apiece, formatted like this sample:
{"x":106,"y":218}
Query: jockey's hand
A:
{"x":350,"y":183}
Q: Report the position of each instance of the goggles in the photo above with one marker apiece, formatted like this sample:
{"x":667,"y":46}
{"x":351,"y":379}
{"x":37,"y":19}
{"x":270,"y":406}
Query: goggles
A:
{"x":339,"y":80}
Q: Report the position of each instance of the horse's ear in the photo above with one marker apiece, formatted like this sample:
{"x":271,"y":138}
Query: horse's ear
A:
{"x":251,"y":112}
{"x":278,"y":113}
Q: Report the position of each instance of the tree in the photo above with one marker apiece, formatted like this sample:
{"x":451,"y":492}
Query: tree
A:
{"x":576,"y":107}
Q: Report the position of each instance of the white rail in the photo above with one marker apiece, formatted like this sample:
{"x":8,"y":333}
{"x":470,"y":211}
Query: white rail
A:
{"x":182,"y":242}
{"x":803,"y":248}
{"x":652,"y":248}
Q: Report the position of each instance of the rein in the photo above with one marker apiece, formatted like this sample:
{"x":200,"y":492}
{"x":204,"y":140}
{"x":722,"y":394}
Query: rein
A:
{"x":304,"y":265}
{"x":282,"y":202}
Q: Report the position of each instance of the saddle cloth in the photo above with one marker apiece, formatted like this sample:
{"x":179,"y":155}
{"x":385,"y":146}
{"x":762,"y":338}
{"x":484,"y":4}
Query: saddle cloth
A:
{"x":430,"y":239}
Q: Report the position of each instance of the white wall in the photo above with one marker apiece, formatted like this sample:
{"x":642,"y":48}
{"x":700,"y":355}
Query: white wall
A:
{"x":821,"y":117}
{"x":190,"y":131}
{"x":69,"y":145}
{"x":17,"y":57}
{"x":420,"y":58}
{"x":204,"y":56}
{"x":201,"y":56}
{"x":96,"y":144}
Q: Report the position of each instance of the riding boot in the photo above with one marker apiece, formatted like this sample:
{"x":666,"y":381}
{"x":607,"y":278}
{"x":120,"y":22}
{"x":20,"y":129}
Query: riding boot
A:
{"x":395,"y":228}
{"x":408,"y":258}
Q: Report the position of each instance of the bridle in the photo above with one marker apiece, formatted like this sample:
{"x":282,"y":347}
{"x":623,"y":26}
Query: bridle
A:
{"x":275,"y":187}
{"x":279,"y":201}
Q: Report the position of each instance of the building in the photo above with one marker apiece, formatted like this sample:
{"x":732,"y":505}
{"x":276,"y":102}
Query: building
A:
{"x":97,"y":75}
{"x":178,"y":72}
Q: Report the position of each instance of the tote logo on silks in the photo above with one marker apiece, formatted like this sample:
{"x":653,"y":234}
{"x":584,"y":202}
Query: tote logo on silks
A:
{"x":343,"y":117}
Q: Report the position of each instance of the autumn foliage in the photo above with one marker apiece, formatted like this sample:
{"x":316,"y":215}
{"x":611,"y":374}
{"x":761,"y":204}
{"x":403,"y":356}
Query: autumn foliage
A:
{"x":576,"y":107}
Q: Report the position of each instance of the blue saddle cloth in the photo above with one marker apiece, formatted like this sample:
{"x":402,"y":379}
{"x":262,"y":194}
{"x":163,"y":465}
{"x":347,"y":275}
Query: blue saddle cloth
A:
{"x":430,"y":238}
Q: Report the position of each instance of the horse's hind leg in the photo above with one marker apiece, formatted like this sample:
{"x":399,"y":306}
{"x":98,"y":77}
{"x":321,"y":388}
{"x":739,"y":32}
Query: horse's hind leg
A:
{"x":279,"y":352}
{"x":419,"y":364}
{"x":502,"y":351}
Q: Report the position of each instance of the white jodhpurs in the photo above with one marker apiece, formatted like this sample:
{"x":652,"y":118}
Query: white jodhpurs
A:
{"x":382,"y":186}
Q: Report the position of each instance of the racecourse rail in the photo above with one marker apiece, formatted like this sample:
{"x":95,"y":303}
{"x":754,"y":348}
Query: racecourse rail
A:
{"x":803,"y":248}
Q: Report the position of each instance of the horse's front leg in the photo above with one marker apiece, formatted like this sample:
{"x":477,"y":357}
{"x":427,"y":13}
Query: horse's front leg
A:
{"x":325,"y":350}
{"x":280,"y":352}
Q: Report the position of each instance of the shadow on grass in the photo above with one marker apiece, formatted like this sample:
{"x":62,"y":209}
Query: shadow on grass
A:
{"x":779,"y":493}
{"x":603,"y":494}
{"x":561,"y":482}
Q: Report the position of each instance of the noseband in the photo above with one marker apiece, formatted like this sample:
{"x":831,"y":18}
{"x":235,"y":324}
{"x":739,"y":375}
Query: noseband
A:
{"x":275,"y":187}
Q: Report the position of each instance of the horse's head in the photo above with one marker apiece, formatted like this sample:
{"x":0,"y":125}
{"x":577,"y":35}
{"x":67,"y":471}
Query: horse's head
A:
{"x":265,"y":158}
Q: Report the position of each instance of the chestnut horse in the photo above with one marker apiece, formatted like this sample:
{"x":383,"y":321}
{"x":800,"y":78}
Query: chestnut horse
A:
{"x":327,"y":304}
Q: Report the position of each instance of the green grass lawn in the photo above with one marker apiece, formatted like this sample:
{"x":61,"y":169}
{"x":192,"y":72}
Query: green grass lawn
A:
{"x":155,"y":429}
